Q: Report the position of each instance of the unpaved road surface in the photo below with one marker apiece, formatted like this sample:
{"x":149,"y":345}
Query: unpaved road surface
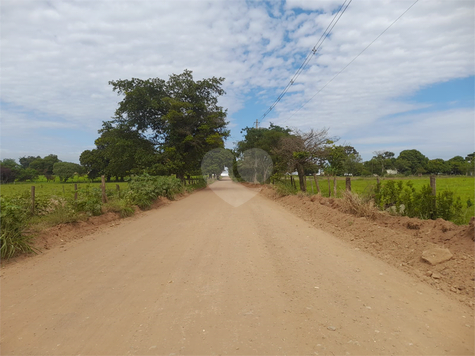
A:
{"x":232,"y":273}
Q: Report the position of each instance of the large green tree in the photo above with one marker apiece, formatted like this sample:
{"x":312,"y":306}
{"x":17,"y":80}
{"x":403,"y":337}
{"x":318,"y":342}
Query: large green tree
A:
{"x":66,"y":170}
{"x":93,"y":162}
{"x":44,"y":165}
{"x":8,"y":170}
{"x":267,"y":139}
{"x":181,"y":115}
{"x":25,"y":161}
{"x":437,"y":166}
{"x":458,"y":165}
{"x":120,"y":151}
{"x":411,"y":161}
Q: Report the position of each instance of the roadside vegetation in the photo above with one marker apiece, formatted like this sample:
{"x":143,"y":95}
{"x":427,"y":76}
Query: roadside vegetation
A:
{"x":156,"y":145}
{"x":153,"y":147}
{"x":399,"y":184}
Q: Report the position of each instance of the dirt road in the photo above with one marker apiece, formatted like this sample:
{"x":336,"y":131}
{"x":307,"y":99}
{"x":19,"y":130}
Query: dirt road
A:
{"x":232,"y":273}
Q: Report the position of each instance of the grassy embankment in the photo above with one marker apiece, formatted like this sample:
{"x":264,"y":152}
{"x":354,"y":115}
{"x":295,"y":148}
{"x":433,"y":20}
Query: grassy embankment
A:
{"x":55,"y":203}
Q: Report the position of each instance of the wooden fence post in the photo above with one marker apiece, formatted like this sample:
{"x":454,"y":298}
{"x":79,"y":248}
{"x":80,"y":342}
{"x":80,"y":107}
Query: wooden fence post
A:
{"x":348,"y":184}
{"x":75,"y":191}
{"x":334,"y":186}
{"x":118,"y":189}
{"x":33,"y":199}
{"x":103,"y":187}
{"x":329,"y":188}
{"x":316,"y":183}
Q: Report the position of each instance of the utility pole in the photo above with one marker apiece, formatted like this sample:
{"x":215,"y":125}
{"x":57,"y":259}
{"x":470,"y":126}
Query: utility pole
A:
{"x":257,"y":124}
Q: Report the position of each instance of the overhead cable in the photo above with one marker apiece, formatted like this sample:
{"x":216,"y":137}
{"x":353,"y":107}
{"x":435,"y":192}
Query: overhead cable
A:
{"x":359,"y":54}
{"x":314,"y":50}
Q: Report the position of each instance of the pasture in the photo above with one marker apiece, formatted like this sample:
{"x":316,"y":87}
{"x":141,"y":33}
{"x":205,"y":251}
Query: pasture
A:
{"x":462,"y":186}
{"x":49,"y":189}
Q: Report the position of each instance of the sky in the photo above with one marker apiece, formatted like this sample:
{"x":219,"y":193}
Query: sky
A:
{"x":412,"y":88}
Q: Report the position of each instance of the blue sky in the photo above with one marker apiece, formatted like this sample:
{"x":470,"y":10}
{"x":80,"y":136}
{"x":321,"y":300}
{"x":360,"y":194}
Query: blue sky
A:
{"x":412,"y":88}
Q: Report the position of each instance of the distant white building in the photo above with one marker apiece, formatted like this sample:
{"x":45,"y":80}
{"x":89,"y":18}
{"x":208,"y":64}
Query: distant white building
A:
{"x":391,"y":171}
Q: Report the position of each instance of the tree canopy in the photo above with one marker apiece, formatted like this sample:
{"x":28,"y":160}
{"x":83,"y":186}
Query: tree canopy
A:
{"x":66,"y":170}
{"x":120,"y":151}
{"x":181,"y":117}
{"x":266,"y":139}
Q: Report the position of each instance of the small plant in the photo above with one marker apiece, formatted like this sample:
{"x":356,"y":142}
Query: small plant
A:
{"x":284,"y":188}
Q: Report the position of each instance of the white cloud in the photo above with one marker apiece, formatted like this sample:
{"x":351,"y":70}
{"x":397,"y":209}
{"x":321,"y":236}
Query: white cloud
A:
{"x":58,"y":56}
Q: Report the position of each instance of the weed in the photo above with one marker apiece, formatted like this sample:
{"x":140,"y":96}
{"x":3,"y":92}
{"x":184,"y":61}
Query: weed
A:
{"x":359,"y":206}
{"x":284,"y":188}
{"x":121,"y":207}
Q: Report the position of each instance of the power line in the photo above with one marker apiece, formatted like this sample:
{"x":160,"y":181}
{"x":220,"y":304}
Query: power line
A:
{"x":359,"y":54}
{"x":314,"y":50}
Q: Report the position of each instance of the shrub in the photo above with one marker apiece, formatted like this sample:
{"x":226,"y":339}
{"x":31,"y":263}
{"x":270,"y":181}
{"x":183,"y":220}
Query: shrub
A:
{"x":145,"y":189}
{"x":406,"y":200}
{"x":89,"y":201}
{"x":13,"y":217}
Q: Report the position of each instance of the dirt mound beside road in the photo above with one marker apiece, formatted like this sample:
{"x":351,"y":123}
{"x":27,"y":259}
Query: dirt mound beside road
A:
{"x":398,"y":240}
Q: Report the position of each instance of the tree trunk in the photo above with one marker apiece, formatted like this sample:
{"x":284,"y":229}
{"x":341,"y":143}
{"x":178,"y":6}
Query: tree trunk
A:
{"x":302,"y":180}
{"x":181,"y":177}
{"x":334,"y":186}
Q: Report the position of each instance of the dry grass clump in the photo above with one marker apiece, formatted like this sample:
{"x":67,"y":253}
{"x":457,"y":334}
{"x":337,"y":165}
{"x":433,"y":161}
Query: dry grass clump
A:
{"x":359,"y":205}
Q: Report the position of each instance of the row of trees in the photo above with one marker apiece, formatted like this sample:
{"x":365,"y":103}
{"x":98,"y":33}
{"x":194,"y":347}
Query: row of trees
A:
{"x":166,"y":127}
{"x":31,"y":167}
{"x":315,"y":152}
{"x":414,"y":162}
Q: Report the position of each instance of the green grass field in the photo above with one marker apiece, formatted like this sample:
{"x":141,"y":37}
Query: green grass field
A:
{"x":462,"y":186}
{"x":44,"y":189}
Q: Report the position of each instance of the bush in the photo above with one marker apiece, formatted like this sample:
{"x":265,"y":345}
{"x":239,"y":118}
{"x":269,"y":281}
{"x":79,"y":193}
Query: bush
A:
{"x":405,"y":200}
{"x":13,"y":217}
{"x":89,"y":201}
{"x":145,"y":189}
